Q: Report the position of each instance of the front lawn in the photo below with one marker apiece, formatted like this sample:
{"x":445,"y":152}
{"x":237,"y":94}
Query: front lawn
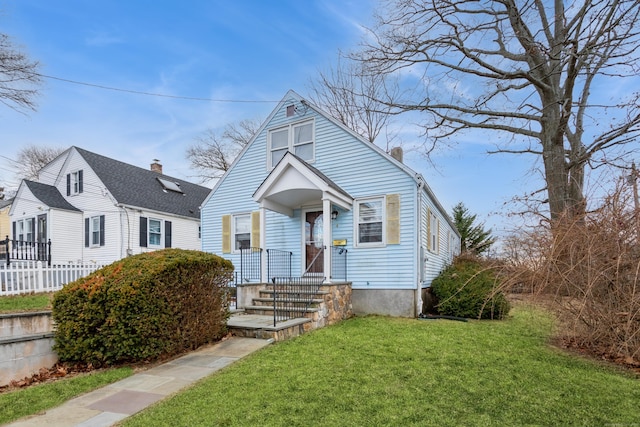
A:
{"x":21,"y":303}
{"x":403,"y":372}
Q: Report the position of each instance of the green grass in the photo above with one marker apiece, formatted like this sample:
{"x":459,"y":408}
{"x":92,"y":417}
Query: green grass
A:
{"x":31,"y":400}
{"x":21,"y":303}
{"x":408,"y":372}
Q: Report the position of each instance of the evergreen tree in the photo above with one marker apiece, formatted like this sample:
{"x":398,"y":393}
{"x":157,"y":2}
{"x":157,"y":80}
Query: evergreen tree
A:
{"x":474,"y":238}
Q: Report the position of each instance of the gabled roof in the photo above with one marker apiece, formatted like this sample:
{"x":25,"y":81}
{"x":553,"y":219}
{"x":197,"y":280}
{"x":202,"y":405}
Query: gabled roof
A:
{"x":49,"y":195}
{"x":5,"y":203}
{"x":294,"y":182}
{"x":134,"y":186}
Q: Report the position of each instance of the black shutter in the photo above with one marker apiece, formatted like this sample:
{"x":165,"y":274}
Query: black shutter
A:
{"x":86,"y":232}
{"x":143,"y":231}
{"x":80,"y":181}
{"x":101,"y":230}
{"x":167,"y":234}
{"x":68,"y":184}
{"x":13,"y":236}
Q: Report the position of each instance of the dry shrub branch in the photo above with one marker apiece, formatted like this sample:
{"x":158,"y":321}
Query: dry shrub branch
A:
{"x":588,"y":269}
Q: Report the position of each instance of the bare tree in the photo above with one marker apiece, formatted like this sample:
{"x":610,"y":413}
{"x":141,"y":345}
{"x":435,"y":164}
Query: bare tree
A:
{"x":32,"y":158}
{"x":350,"y":94}
{"x":213,"y":153}
{"x":18,"y":77}
{"x":524,"y":69}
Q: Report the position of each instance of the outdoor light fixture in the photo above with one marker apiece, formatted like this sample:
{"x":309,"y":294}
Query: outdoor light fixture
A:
{"x":334,"y":214}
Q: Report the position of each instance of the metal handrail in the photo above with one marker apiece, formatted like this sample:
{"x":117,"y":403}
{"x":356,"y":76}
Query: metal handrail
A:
{"x":25,"y":250}
{"x":292,"y":296}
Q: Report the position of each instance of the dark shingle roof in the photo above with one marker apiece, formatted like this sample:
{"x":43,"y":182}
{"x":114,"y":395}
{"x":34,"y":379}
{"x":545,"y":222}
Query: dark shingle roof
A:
{"x":134,"y":186}
{"x":5,"y":203}
{"x":50,"y":196}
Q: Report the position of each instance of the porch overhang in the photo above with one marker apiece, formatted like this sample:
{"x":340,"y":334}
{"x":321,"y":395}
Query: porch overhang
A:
{"x":293,"y":183}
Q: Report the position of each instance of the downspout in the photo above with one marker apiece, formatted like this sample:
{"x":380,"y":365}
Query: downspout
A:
{"x":418,"y":258}
{"x":128,"y":251}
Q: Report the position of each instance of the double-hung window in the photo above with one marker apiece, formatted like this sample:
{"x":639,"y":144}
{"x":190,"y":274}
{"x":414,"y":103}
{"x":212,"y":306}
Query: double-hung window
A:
{"x":434,"y":226}
{"x":24,"y":230}
{"x":155,"y":232}
{"x":241,"y":231}
{"x":370,"y":226}
{"x":74,"y":182}
{"x":297,"y":138}
{"x":95,"y":231}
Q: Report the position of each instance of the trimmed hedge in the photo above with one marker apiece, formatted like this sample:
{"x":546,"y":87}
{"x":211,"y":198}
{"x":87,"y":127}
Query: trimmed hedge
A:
{"x":468,"y":289}
{"x":143,"y":307}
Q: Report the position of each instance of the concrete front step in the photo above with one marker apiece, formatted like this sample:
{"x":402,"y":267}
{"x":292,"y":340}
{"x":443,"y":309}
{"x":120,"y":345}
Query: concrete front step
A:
{"x":265,"y":310}
{"x":270,"y":292}
{"x":261,"y":326}
{"x":287,"y":300}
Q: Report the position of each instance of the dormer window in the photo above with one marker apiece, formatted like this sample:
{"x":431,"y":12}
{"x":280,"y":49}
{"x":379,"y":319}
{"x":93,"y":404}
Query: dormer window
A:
{"x":297,"y":138}
{"x":74,"y":182}
{"x":169,"y":185}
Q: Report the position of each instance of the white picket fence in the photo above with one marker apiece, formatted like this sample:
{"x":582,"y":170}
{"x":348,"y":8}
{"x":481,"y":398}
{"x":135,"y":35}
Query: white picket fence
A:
{"x":24,"y":277}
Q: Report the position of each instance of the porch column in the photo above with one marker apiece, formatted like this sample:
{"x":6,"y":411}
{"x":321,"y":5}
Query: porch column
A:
{"x":263,"y":244}
{"x":326,"y":238}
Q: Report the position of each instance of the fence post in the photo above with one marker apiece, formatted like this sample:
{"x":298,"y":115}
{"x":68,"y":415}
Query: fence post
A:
{"x":39,"y":285}
{"x":49,"y":253}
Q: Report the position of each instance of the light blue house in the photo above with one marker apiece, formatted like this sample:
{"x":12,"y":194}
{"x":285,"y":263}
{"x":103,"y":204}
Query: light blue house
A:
{"x":332,"y":204}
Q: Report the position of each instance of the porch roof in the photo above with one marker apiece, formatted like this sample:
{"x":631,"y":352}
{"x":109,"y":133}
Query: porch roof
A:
{"x":49,"y":195}
{"x":294,"y":183}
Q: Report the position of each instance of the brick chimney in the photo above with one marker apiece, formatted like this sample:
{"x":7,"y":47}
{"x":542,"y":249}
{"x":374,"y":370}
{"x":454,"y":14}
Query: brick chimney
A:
{"x":396,"y":153}
{"x":156,"y":166}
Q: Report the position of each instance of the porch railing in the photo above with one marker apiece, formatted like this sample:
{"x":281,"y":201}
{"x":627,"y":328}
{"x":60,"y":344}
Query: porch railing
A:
{"x":338,"y":263}
{"x":292,"y":296}
{"x":278,"y":263}
{"x":250,"y":265}
{"x":23,"y":250}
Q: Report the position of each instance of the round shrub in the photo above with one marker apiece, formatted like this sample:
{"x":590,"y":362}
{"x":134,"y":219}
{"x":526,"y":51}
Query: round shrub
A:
{"x":143,"y":307}
{"x":468,"y":289}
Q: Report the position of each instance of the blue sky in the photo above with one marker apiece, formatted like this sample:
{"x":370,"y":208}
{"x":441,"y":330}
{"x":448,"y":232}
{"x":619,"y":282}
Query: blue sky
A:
{"x":246,"y":50}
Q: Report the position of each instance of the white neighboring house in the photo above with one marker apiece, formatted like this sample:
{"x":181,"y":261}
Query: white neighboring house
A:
{"x":96,"y":209}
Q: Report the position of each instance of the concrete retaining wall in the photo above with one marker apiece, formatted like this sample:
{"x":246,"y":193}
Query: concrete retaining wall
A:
{"x":26,"y":342}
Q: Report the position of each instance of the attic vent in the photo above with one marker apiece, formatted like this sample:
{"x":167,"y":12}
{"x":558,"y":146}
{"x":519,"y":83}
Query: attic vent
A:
{"x":170,"y":185}
{"x":291,"y":110}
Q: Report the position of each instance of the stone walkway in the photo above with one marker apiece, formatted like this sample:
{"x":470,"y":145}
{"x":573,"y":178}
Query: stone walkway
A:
{"x":115,"y":402}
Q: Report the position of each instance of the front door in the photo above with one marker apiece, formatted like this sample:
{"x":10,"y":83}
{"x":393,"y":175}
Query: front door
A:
{"x":41,"y":237}
{"x":313,"y":244}
{"x":42,"y":228}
